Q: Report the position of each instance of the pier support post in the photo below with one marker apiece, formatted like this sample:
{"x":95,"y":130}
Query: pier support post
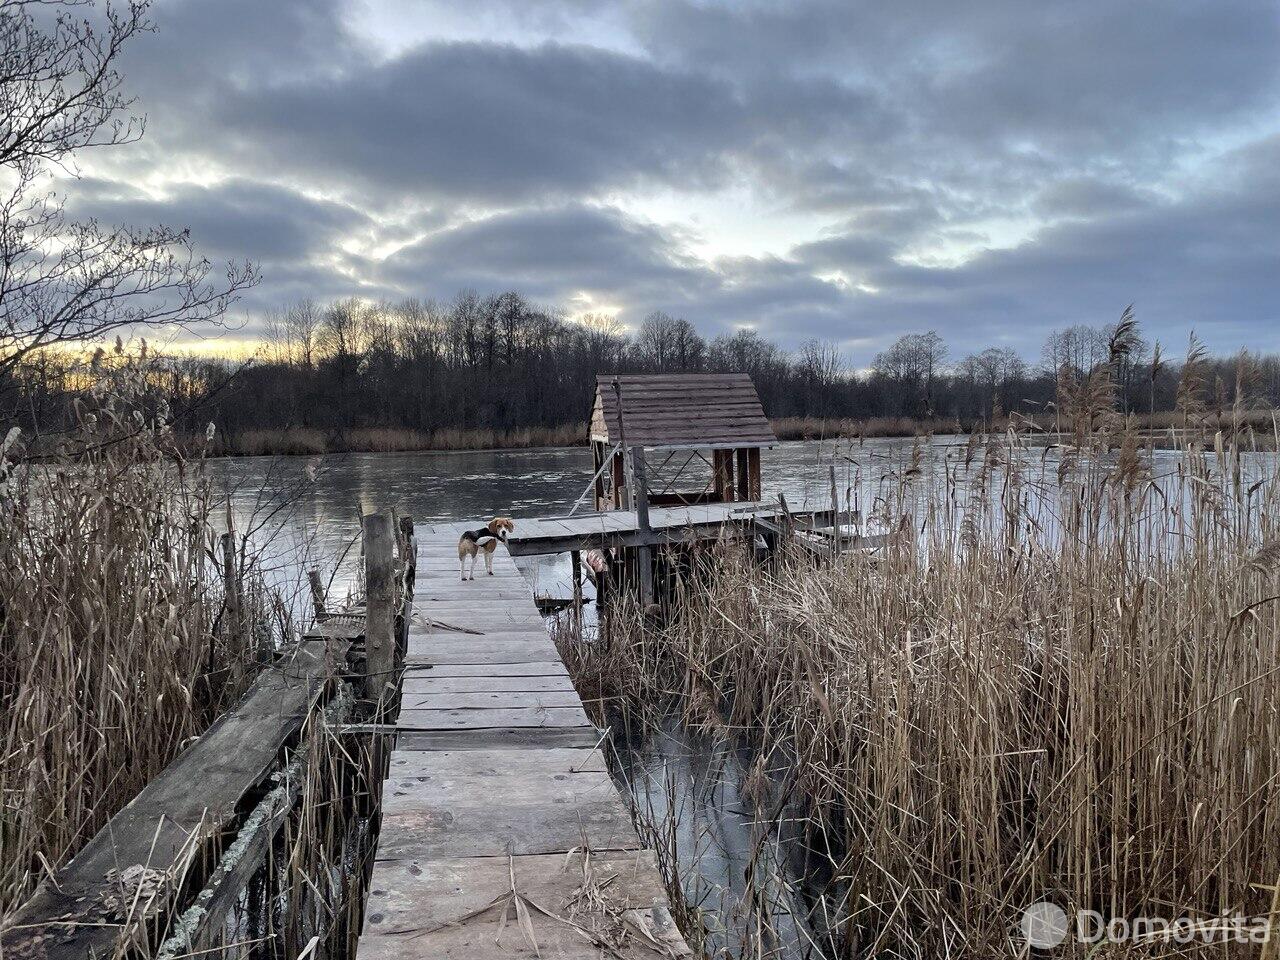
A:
{"x":379,"y":629}
{"x":644,"y":552}
{"x":575,"y":558}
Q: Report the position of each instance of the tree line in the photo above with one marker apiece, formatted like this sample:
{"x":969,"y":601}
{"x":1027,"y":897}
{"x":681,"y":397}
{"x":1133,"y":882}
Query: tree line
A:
{"x":503,"y":363}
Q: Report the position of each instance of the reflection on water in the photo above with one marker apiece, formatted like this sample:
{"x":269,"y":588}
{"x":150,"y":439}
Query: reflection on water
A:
{"x":738,"y":865}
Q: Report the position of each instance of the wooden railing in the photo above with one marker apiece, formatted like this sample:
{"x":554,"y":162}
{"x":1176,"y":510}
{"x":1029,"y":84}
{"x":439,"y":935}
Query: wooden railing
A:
{"x":167,"y":874}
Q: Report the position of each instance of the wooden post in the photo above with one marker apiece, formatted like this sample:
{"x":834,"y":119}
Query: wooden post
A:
{"x":644,"y":552}
{"x":575,"y":559}
{"x":622,"y":446}
{"x":753,"y":467}
{"x":744,"y":474}
{"x":317,"y":592}
{"x":835,"y":515}
{"x":599,"y":451}
{"x":788,"y":522}
{"x":408,"y":548}
{"x":722,"y":465}
{"x":379,"y":617}
{"x":619,"y":481}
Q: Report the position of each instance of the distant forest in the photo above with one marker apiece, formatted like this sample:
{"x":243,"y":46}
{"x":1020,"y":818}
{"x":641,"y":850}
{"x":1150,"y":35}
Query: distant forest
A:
{"x":500,"y":363}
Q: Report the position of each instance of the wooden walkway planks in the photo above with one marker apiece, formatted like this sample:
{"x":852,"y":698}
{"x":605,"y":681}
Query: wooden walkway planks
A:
{"x":616,"y":528}
{"x":497,"y":774}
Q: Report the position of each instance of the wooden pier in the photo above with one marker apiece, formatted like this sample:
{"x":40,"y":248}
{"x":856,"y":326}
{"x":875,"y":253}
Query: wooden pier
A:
{"x":502,"y":832}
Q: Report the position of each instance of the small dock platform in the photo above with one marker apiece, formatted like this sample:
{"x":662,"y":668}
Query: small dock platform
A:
{"x":502,"y":832}
{"x":621,"y":528}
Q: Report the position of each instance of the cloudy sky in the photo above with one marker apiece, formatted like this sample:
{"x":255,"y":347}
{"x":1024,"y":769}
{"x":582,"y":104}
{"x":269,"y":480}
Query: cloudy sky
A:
{"x":843,"y":170}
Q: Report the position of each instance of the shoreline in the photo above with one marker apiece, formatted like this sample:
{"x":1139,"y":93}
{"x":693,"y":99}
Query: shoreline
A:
{"x":312,"y":442}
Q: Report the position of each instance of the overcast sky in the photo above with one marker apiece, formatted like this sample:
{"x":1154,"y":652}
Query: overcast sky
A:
{"x":849,"y":171}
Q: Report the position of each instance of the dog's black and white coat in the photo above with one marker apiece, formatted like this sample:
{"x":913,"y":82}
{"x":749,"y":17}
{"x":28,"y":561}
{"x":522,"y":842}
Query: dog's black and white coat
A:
{"x":482,"y":540}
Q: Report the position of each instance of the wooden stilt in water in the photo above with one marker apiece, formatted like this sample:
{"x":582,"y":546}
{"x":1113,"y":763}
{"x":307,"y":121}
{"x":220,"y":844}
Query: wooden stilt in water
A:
{"x":575,"y":558}
{"x":408,"y":548}
{"x":231,"y":587}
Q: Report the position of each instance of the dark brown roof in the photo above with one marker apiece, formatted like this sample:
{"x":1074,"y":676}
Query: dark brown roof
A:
{"x":682,"y":410}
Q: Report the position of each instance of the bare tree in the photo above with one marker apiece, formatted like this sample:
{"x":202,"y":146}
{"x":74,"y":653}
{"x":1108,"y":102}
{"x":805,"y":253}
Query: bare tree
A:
{"x":61,"y":281}
{"x":913,"y":363}
{"x":992,"y":373}
{"x":302,"y":328}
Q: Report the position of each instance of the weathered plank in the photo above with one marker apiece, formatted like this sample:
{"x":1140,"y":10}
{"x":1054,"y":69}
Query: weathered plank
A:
{"x":424,"y":637}
{"x":486,"y":828}
{"x":536,"y":668}
{"x":416,"y":685}
{"x":510,"y":738}
{"x":420,"y":719}
{"x":490,"y":699}
{"x":162,"y":826}
{"x":451,"y":764}
{"x":421,"y":908}
{"x":482,"y":650}
{"x":496,"y":770}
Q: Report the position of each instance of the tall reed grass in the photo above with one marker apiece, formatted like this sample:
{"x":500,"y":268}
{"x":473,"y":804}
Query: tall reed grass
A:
{"x":1056,"y":682}
{"x":116,"y":643}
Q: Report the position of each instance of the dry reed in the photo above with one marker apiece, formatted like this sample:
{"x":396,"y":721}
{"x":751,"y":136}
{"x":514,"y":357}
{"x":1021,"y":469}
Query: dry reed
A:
{"x":1055,"y":683}
{"x":116,"y":647}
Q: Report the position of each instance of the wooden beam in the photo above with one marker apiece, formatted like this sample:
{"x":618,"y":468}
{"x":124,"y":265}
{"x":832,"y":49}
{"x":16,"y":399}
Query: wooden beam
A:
{"x":174,"y":819}
{"x":379,"y":631}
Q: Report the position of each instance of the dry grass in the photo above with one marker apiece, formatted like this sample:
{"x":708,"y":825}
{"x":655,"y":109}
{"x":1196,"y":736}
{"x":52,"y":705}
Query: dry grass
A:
{"x":817,"y":428}
{"x":115,"y":646}
{"x":308,"y":441}
{"x":1056,"y":682}
{"x":1170,"y":428}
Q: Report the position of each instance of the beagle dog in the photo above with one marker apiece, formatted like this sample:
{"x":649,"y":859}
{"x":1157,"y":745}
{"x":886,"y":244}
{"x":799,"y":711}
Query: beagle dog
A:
{"x":485,"y":539}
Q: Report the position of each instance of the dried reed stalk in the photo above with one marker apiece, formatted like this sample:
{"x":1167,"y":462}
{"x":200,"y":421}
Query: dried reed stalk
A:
{"x":1056,"y":682}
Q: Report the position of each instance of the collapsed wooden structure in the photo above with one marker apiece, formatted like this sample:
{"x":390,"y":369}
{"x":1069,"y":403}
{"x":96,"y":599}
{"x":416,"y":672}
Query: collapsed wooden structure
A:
{"x":198,"y":863}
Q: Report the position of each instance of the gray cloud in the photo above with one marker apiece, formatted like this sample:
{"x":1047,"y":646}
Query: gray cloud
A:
{"x":1079,"y":157}
{"x":481,"y":122}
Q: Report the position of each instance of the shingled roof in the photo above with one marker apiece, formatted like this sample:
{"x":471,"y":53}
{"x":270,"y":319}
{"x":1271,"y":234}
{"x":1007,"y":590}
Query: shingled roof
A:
{"x":682,"y":410}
